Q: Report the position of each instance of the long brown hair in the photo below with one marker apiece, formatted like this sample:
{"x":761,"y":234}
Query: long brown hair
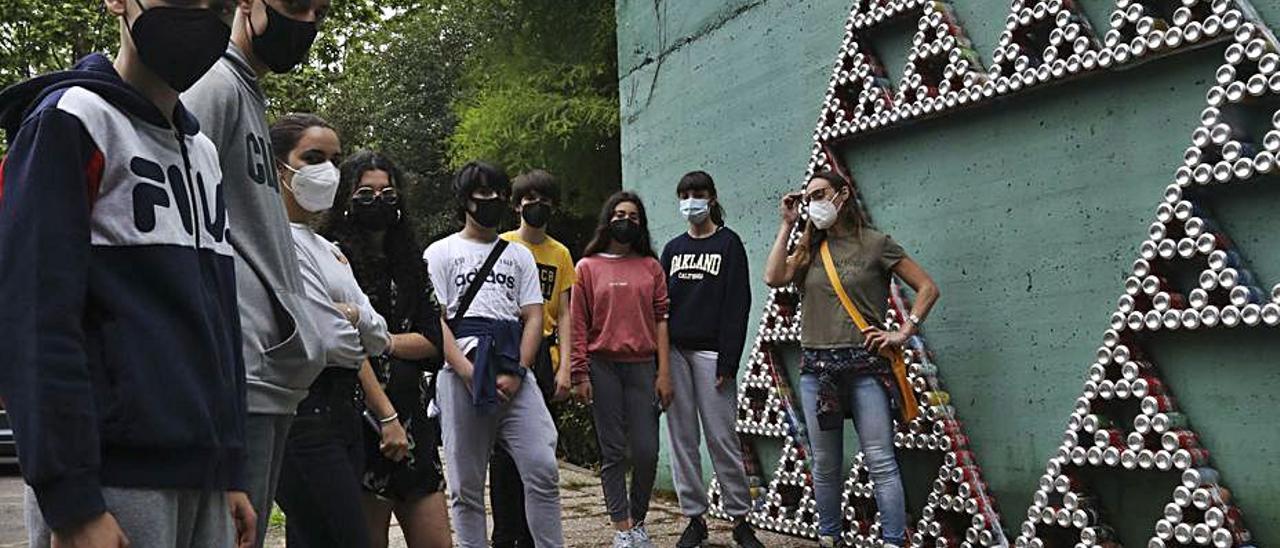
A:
{"x":850,"y":216}
{"x":600,"y":241}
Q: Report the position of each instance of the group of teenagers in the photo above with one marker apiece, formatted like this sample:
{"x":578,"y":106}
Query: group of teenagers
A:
{"x":207,"y":314}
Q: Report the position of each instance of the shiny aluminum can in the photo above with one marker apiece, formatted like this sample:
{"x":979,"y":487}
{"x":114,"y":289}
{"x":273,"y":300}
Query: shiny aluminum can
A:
{"x":1085,"y":517}
{"x":1164,"y":530}
{"x":1203,"y":498}
{"x":1230,"y":316}
{"x":1224,"y":537}
{"x":1173,"y":512}
{"x":1135,"y":440}
{"x":1271,"y":314}
{"x":1251,"y":314}
{"x":1201,"y":534}
{"x":1148,"y":385}
{"x":1191,"y":319}
{"x":1129,"y":459}
{"x":1123,"y":389}
{"x":1179,"y":439}
{"x":1093,"y":456}
{"x":1210,"y":316}
{"x":1142,"y":424}
{"x":1190,"y":458}
{"x":1165,"y":421}
{"x":1153,"y":405}
{"x":1199,"y":477}
{"x":1242,"y":295}
{"x":1132,"y":371}
{"x":1146,"y":459}
{"x":1182,"y":533}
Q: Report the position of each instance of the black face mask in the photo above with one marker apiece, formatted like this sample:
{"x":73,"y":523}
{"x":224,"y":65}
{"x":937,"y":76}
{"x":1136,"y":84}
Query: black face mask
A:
{"x":179,"y":44}
{"x":537,"y":214}
{"x":488,"y":213}
{"x":375,"y":216}
{"x":285,"y":43}
{"x":624,"y":231}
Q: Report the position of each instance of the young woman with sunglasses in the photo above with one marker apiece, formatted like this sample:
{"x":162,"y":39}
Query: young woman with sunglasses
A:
{"x":369,"y":225}
{"x":843,"y":370}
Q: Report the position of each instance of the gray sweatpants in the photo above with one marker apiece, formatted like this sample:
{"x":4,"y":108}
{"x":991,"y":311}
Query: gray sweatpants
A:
{"x":525,"y":429}
{"x":181,"y":519}
{"x":265,"y":439}
{"x":698,"y":401}
{"x":626,"y":413}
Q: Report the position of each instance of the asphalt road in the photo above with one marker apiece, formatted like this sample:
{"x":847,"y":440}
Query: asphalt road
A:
{"x":12,"y":531}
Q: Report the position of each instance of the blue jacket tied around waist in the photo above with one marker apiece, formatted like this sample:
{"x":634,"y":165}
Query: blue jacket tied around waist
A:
{"x":497,"y":352}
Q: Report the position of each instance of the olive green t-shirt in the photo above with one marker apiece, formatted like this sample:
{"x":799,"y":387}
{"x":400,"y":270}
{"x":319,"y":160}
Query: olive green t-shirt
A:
{"x":865,"y":265}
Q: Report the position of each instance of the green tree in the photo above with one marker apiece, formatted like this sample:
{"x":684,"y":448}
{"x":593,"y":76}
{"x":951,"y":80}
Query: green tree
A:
{"x":541,"y":91}
{"x":394,"y":95}
{"x":38,"y":36}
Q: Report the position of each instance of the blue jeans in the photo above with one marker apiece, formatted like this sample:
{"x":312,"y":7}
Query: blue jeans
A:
{"x":874,"y":425}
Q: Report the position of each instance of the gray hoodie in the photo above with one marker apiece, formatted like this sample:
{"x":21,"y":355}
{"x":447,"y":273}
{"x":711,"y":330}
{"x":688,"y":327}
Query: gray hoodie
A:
{"x":282,"y":349}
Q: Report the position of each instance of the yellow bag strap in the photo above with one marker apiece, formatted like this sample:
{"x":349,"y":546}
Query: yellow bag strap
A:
{"x":910,"y":407}
{"x":834,"y":277}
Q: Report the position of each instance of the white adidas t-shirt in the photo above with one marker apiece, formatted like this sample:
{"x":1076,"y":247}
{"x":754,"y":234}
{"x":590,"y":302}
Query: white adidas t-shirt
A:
{"x":453,"y":263}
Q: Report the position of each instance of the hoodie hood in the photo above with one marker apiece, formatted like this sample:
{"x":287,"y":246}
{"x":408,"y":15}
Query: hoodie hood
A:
{"x":97,"y":74}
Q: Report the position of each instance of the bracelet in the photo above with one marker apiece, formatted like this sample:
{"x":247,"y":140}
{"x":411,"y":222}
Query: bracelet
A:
{"x":914,"y":319}
{"x":390,"y":350}
{"x":388,"y":420}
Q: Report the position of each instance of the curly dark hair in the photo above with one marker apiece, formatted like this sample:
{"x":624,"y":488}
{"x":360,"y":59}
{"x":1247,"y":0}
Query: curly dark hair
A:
{"x":399,"y":247}
{"x":600,"y":240}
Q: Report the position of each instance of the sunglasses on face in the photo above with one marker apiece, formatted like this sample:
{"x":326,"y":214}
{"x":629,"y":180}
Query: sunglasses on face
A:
{"x":367,"y":195}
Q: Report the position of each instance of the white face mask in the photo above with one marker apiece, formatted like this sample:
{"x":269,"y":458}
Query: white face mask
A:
{"x":314,"y":186}
{"x":823,"y":214}
{"x":695,"y":210}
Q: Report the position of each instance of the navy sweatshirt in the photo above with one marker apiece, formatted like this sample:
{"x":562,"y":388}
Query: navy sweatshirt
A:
{"x":710,"y":293}
{"x":119,"y":333}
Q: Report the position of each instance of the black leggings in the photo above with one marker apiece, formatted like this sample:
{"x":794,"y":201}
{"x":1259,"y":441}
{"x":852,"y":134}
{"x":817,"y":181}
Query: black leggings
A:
{"x":323,"y":460}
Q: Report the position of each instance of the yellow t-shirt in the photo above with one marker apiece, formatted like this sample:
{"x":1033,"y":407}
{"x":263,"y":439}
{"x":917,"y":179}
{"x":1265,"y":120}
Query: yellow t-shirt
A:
{"x":556,"y":274}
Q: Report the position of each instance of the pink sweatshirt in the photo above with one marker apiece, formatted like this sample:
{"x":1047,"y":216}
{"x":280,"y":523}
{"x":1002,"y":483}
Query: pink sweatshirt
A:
{"x":617,"y":304}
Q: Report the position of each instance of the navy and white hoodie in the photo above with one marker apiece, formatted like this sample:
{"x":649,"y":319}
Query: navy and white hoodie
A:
{"x":120,"y":358}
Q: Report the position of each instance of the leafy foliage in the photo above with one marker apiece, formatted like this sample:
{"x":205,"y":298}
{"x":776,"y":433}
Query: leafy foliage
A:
{"x":433,"y":83}
{"x":38,"y":36}
{"x":541,"y":91}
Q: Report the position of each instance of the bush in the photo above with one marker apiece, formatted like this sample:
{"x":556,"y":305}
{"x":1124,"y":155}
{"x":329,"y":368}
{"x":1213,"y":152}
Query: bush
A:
{"x":577,"y":431}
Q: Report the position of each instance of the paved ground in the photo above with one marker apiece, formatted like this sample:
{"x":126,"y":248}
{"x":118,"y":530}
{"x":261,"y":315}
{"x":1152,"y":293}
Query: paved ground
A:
{"x":586,"y":523}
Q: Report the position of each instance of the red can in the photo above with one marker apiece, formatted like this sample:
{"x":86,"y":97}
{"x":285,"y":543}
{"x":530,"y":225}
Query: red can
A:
{"x":1148,"y":385}
{"x":964,"y":457}
{"x":1158,"y":404}
{"x":1179,"y":439}
{"x":1108,"y":437}
{"x":1190,"y":458}
{"x":949,"y":426}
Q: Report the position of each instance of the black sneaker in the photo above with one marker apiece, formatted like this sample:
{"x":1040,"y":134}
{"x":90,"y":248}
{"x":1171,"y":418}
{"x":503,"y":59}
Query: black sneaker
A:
{"x":694,"y":534}
{"x":745,"y":537}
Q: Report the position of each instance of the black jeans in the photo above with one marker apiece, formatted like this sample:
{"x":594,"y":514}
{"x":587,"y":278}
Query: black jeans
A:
{"x":323,"y":460}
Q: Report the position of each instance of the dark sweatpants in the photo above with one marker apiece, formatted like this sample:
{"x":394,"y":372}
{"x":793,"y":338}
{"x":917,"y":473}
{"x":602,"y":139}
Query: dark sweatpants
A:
{"x":626,"y":413}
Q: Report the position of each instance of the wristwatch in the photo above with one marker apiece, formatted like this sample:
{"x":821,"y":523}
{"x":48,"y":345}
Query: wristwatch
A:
{"x":914,"y":319}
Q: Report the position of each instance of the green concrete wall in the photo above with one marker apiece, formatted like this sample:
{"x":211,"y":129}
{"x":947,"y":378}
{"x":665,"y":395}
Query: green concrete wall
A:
{"x":1027,"y":211}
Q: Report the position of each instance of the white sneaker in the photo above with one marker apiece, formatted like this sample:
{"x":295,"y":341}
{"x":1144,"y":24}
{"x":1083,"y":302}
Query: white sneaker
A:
{"x":623,"y":539}
{"x":640,"y":537}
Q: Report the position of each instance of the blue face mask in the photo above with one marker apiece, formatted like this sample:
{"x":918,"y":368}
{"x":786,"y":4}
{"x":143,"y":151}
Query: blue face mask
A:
{"x":695,"y":210}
